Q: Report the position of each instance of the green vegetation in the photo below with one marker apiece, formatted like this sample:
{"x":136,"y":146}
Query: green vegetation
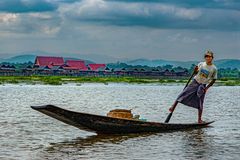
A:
{"x":229,"y":82}
{"x":59,"y":80}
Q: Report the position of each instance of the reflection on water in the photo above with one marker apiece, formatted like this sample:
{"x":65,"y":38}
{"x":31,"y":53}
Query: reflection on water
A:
{"x":197,"y":144}
{"x":27,"y":134}
{"x":80,"y":146}
{"x":91,"y":141}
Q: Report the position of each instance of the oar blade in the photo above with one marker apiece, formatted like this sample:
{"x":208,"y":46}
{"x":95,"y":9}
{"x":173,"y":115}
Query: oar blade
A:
{"x":168,"y":117}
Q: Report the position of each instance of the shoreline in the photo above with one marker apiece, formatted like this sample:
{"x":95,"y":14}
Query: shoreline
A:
{"x":59,"y":80}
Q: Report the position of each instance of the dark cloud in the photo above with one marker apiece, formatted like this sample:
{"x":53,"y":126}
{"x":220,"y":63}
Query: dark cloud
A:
{"x":214,"y":4}
{"x":23,"y":6}
{"x":68,"y":1}
{"x":123,"y":28}
{"x":174,"y":14}
{"x":152,"y":14}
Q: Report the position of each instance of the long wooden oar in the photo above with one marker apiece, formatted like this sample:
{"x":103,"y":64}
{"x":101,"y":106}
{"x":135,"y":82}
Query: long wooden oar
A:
{"x":175,"y":104}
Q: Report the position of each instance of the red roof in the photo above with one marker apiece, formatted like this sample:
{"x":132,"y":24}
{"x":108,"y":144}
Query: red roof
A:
{"x":49,"y":61}
{"x":76,"y":64}
{"x":95,"y":67}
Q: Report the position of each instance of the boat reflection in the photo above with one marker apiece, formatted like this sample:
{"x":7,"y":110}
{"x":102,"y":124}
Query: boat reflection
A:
{"x":94,"y":140}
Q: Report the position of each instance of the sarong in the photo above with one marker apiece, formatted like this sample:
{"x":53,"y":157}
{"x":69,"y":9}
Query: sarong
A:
{"x":193,"y":95}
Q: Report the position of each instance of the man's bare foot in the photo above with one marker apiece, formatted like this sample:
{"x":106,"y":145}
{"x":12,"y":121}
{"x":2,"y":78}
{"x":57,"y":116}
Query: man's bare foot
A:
{"x":201,"y":121}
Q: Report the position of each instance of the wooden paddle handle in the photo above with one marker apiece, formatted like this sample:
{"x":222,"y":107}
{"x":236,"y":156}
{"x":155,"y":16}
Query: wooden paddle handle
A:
{"x":193,"y":73}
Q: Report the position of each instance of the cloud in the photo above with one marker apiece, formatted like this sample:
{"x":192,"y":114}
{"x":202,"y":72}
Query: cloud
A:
{"x":23,"y":6}
{"x":42,"y":16}
{"x":164,"y":14}
{"x":27,"y":25}
{"x":211,"y":4}
{"x":92,"y":9}
{"x":182,"y":38}
{"x":121,"y":28}
{"x":7,"y":18}
{"x":152,"y":14}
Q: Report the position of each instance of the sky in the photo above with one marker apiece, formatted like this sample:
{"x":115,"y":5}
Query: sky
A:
{"x":123,"y":29}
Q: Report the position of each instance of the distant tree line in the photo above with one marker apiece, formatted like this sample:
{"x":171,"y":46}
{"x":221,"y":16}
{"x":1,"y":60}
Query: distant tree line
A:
{"x":222,"y":72}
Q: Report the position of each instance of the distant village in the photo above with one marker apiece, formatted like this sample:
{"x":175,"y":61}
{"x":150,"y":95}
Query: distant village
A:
{"x":47,"y":65}
{"x":58,"y":66}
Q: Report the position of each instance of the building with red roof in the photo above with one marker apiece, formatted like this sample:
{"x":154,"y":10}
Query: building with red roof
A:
{"x":75,"y":65}
{"x":96,"y":67}
{"x":57,"y":63}
{"x":41,"y":61}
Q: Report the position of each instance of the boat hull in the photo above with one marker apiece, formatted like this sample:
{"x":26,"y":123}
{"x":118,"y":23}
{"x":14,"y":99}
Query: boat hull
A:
{"x":109,"y":125}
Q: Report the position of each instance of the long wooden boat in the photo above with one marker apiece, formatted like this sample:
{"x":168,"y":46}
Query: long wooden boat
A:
{"x":109,"y":125}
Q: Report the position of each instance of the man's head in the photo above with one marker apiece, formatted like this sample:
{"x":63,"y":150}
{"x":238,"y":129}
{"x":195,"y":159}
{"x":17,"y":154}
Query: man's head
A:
{"x":208,"y":57}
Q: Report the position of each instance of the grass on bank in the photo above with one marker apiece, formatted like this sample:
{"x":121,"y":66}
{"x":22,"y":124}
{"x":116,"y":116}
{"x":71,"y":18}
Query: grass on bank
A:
{"x":59,"y":80}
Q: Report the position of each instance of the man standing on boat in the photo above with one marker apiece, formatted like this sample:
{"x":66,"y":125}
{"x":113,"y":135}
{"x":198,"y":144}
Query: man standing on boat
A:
{"x":193,"y":95}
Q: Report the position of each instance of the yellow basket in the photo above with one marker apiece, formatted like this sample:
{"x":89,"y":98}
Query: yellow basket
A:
{"x":120,"y":113}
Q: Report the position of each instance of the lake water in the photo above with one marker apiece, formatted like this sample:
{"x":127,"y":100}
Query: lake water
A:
{"x":28,"y":134}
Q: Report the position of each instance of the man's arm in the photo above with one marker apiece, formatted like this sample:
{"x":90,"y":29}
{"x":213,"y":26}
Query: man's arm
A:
{"x":214,"y":77}
{"x":210,"y":84}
